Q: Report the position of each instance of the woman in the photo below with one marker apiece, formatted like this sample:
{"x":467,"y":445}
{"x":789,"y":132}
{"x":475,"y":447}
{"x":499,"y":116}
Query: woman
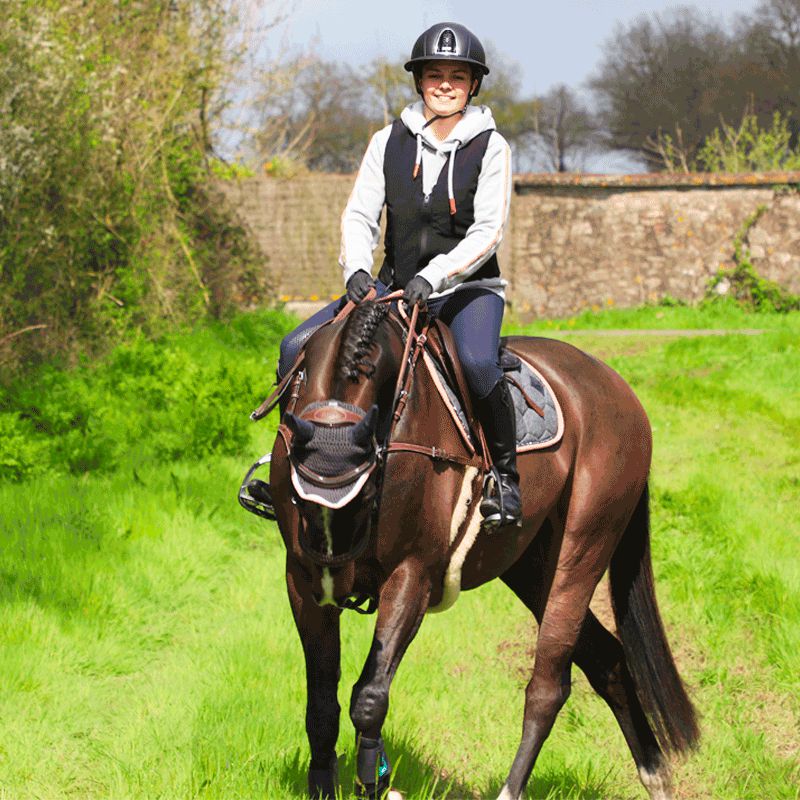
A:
{"x":444,"y":174}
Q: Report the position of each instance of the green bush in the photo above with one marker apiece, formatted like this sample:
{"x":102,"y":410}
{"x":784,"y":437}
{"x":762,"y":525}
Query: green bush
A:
{"x":108,"y":218}
{"x":22,"y":454}
{"x":749,"y":147}
{"x":744,"y":285}
{"x":185,"y":396}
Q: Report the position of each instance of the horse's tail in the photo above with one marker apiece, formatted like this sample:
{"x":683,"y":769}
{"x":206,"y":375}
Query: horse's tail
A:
{"x":658,"y":685}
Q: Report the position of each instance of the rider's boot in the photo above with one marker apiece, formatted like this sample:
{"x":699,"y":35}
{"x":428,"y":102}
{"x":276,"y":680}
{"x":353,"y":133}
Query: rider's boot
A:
{"x":496,"y":410}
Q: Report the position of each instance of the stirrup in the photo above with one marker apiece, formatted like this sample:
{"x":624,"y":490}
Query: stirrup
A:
{"x":500,"y":518}
{"x":255,"y":495}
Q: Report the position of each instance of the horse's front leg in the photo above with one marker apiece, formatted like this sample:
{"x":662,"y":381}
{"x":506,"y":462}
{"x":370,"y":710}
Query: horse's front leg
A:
{"x":319,"y":633}
{"x":401,"y":606}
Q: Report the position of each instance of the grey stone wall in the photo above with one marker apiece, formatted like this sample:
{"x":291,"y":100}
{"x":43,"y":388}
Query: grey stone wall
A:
{"x":574,"y":242}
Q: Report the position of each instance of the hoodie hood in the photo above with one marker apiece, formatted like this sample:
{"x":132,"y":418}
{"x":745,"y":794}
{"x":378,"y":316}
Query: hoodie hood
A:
{"x":474,"y":121}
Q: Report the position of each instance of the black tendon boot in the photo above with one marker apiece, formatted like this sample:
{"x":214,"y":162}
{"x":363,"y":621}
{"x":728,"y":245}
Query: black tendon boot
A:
{"x":496,"y":411}
{"x":373,"y":771}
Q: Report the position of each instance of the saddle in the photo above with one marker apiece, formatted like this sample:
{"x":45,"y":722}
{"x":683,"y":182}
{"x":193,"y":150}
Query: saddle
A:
{"x":540,"y":422}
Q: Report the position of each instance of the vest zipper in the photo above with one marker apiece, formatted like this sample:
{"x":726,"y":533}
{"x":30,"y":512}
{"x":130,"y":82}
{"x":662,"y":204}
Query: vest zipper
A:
{"x":423,"y":236}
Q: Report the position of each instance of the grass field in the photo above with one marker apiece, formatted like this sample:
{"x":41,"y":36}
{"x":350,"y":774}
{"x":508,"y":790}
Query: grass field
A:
{"x":146,"y":644}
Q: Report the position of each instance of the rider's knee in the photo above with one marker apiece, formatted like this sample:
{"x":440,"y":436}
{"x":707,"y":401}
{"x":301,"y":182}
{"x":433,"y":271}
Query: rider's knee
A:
{"x":482,"y":375}
{"x":369,"y":706}
{"x":290,"y":347}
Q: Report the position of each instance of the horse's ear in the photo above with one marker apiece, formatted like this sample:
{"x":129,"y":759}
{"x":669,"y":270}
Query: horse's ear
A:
{"x":302,"y":429}
{"x":364,"y":430}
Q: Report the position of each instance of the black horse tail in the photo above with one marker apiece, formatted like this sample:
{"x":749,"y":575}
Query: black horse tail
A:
{"x":658,"y":685}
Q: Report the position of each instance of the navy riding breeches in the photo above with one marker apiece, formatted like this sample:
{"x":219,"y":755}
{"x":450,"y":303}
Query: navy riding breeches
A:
{"x":473,"y":314}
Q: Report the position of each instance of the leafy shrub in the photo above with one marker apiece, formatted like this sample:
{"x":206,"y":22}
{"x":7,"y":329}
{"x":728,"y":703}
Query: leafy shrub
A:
{"x":744,"y":285}
{"x":749,"y":147}
{"x":748,"y":289}
{"x":186,"y":396}
{"x":22,"y":455}
{"x":108,"y":221}
{"x":746,"y":147}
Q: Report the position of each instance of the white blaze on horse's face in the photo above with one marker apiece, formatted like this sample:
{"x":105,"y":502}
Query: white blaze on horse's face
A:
{"x":327,"y":578}
{"x":326,"y":527}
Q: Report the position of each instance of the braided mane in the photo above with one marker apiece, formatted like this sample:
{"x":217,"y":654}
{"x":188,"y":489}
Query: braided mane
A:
{"x":357,"y":340}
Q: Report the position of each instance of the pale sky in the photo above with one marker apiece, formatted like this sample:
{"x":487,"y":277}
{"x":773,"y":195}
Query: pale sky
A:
{"x":553,"y":41}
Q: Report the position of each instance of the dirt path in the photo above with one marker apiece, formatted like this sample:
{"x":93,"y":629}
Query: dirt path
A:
{"x":661,"y":332}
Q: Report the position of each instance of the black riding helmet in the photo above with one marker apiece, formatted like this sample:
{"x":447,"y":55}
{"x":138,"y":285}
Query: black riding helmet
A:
{"x":448,"y":41}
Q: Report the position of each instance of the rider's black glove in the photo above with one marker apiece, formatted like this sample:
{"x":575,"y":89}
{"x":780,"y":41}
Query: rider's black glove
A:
{"x":418,"y":290}
{"x":359,"y":285}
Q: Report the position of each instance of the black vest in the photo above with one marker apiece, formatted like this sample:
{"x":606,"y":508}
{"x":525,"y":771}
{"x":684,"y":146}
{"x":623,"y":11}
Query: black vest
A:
{"x":419,"y":228}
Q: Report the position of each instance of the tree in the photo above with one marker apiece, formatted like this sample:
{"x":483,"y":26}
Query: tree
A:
{"x":666,"y":82}
{"x":324,"y":116}
{"x":106,"y":217}
{"x":657,"y":74}
{"x":564,"y":132}
{"x":770,"y":38}
{"x":392,"y":88}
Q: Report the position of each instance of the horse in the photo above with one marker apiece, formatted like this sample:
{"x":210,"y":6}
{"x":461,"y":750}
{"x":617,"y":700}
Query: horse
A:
{"x":376,"y":496}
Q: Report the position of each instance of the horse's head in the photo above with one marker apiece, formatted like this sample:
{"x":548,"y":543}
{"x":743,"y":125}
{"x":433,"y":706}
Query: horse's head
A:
{"x":340,"y":418}
{"x":334,"y":451}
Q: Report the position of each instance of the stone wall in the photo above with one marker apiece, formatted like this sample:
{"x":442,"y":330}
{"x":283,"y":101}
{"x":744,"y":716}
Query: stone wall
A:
{"x":574,"y":241}
{"x":296,"y":223}
{"x":593,"y":241}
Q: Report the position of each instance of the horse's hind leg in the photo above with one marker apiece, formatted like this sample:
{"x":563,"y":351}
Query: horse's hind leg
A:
{"x":600,"y":656}
{"x":570,"y":568}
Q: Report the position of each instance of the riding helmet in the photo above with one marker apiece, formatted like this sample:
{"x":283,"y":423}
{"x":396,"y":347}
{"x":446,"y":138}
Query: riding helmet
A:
{"x":449,"y":41}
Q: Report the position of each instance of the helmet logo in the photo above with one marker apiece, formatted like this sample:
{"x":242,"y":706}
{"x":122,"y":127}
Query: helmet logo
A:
{"x":447,"y":42}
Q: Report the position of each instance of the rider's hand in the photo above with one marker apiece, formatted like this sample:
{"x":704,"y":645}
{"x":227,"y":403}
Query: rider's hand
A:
{"x":359,"y":285}
{"x":418,"y":290}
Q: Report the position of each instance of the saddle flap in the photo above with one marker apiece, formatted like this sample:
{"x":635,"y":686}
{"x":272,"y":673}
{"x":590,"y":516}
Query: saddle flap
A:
{"x":443,"y":349}
{"x":539,"y":419}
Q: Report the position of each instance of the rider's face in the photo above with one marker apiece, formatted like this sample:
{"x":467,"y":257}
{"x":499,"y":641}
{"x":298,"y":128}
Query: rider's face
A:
{"x":445,"y":86}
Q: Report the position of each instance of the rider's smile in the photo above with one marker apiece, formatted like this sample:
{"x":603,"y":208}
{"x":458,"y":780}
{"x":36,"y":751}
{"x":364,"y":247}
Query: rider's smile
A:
{"x":445,"y":87}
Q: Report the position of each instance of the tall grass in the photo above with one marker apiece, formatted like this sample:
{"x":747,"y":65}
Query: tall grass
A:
{"x":147,"y":649}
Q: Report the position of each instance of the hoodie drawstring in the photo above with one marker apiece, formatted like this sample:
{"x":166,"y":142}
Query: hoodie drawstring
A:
{"x":450,"y":169}
{"x":418,"y":160}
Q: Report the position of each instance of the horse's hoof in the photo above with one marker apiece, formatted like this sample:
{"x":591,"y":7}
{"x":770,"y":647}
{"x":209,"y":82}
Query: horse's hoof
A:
{"x":322,"y":782}
{"x":394,"y":795}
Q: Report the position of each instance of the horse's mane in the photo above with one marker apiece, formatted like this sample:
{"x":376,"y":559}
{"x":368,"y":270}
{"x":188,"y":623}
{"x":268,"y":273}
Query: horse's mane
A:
{"x":357,"y":339}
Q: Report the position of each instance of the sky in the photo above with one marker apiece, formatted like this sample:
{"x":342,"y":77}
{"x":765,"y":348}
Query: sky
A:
{"x":553,"y":41}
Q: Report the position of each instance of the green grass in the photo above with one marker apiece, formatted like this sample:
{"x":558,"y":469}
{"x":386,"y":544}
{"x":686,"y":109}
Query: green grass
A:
{"x":147,"y":649}
{"x":717,"y":315}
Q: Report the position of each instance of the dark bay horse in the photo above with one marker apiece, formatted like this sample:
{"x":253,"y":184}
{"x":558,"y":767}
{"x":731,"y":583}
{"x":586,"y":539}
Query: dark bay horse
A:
{"x":377,"y":497}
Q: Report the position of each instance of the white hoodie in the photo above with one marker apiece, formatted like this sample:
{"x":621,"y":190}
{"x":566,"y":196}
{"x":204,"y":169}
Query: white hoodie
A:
{"x":446,"y":272}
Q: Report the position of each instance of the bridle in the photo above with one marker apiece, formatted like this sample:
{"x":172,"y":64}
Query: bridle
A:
{"x":332,"y":414}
